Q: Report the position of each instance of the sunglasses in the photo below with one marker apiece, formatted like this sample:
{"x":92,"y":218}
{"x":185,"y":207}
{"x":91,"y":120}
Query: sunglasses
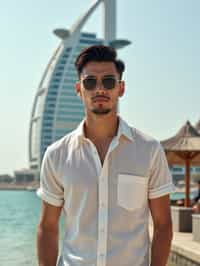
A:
{"x":108,"y":82}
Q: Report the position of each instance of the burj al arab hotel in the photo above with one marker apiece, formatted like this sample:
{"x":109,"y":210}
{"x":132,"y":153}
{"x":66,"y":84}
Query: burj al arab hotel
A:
{"x":56,"y":109}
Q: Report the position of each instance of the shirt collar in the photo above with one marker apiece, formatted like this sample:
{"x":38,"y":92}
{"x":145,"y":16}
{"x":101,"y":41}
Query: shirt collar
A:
{"x":79,"y":132}
{"x":123,"y":129}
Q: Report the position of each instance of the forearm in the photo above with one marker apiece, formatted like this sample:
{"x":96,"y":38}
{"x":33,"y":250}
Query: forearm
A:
{"x":47,"y":247}
{"x":161,"y":244}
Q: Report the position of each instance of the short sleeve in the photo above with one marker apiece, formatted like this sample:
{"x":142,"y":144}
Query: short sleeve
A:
{"x":51,"y":189}
{"x":160,"y":180}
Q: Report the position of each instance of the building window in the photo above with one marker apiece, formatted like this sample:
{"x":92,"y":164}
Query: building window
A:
{"x":62,"y":62}
{"x":50,"y":104}
{"x":55,"y":86}
{"x":55,"y":80}
{"x":76,"y":113}
{"x":48,"y":138}
{"x":68,"y":93}
{"x":68,"y":49}
{"x":52,"y":93}
{"x":48,"y":118}
{"x":70,"y":106}
{"x":60,"y":68}
{"x":68,"y":119}
{"x":50,"y":98}
{"x":58,"y":74}
{"x":65,"y":56}
{"x":47,"y":124}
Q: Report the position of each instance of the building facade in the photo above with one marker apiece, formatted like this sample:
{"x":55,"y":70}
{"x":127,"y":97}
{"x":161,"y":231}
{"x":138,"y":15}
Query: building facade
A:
{"x":57,"y":110}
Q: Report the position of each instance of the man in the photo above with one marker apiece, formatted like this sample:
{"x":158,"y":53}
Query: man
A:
{"x":196,"y":201}
{"x":105,"y":176}
{"x":197,"y":198}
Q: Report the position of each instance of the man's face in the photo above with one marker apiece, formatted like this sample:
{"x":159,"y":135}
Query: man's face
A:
{"x":99,"y":100}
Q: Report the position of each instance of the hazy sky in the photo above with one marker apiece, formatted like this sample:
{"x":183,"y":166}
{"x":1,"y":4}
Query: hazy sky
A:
{"x":162,"y":64}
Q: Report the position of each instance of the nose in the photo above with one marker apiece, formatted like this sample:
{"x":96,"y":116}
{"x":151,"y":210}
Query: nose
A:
{"x":99,"y":85}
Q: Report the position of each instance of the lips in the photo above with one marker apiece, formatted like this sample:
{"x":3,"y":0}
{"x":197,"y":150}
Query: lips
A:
{"x":100,"y":99}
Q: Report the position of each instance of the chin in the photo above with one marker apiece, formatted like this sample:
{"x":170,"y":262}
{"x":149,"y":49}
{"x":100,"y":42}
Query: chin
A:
{"x":101,"y":111}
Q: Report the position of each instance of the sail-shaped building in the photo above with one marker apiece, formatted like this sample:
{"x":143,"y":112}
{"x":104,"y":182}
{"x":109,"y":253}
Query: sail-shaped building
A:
{"x":56,"y":109}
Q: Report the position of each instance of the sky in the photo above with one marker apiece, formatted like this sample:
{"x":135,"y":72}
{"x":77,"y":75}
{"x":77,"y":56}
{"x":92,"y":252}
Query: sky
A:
{"x":162,"y":64}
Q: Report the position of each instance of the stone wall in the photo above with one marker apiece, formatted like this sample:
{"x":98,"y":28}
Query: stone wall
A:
{"x":177,"y":259}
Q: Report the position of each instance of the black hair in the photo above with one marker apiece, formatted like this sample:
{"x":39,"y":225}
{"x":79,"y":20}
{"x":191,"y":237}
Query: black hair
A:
{"x":99,"y":53}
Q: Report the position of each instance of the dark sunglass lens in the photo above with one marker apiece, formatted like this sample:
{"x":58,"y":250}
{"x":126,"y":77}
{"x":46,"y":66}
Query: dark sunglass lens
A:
{"x":109,"y":83}
{"x":89,"y":83}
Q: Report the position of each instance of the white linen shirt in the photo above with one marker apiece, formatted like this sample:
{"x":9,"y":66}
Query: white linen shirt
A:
{"x":105,"y":207}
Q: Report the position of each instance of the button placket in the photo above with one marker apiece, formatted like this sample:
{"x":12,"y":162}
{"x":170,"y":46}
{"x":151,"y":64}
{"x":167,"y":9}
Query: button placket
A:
{"x":103,"y":209}
{"x":96,"y":157}
{"x":103,"y":201}
{"x":103,"y":215}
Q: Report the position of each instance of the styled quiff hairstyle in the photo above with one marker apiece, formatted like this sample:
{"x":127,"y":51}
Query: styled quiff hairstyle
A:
{"x":99,"y":53}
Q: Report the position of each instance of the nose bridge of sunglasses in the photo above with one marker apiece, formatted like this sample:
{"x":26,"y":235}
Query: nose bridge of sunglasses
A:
{"x":99,"y":84}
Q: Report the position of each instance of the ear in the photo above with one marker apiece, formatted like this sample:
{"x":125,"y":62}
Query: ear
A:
{"x":78,"y":88}
{"x":121,"y":88}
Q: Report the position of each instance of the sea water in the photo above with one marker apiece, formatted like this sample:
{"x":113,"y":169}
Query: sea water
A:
{"x":19,"y":216}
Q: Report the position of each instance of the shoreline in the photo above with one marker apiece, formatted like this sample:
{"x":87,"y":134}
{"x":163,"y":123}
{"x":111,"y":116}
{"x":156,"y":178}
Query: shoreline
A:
{"x":30,"y":186}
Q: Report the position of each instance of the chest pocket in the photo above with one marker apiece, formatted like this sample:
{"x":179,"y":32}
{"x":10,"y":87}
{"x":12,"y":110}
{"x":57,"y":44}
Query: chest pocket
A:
{"x":131,"y":191}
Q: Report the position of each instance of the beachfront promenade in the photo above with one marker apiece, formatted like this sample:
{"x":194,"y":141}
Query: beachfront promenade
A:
{"x":184,"y":251}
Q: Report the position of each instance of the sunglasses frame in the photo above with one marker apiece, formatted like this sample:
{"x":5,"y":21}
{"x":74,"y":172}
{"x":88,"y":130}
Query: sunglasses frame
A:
{"x":102,"y":83}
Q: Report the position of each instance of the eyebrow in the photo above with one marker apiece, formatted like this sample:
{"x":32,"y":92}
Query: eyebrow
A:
{"x":104,"y":76}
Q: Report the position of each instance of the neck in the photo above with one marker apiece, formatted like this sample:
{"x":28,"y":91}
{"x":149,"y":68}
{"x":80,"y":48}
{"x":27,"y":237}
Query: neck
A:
{"x":101,"y":127}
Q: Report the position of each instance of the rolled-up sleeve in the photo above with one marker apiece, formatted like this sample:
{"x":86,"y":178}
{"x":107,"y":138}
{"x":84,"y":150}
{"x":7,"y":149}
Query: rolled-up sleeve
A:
{"x":51,"y":189}
{"x":160,"y":179}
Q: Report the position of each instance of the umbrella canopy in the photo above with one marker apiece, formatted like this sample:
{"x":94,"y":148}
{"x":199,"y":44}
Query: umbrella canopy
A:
{"x":184,"y":149}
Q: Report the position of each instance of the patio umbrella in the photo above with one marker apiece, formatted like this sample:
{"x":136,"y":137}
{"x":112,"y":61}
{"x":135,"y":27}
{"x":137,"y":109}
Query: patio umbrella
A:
{"x":184,"y":149}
